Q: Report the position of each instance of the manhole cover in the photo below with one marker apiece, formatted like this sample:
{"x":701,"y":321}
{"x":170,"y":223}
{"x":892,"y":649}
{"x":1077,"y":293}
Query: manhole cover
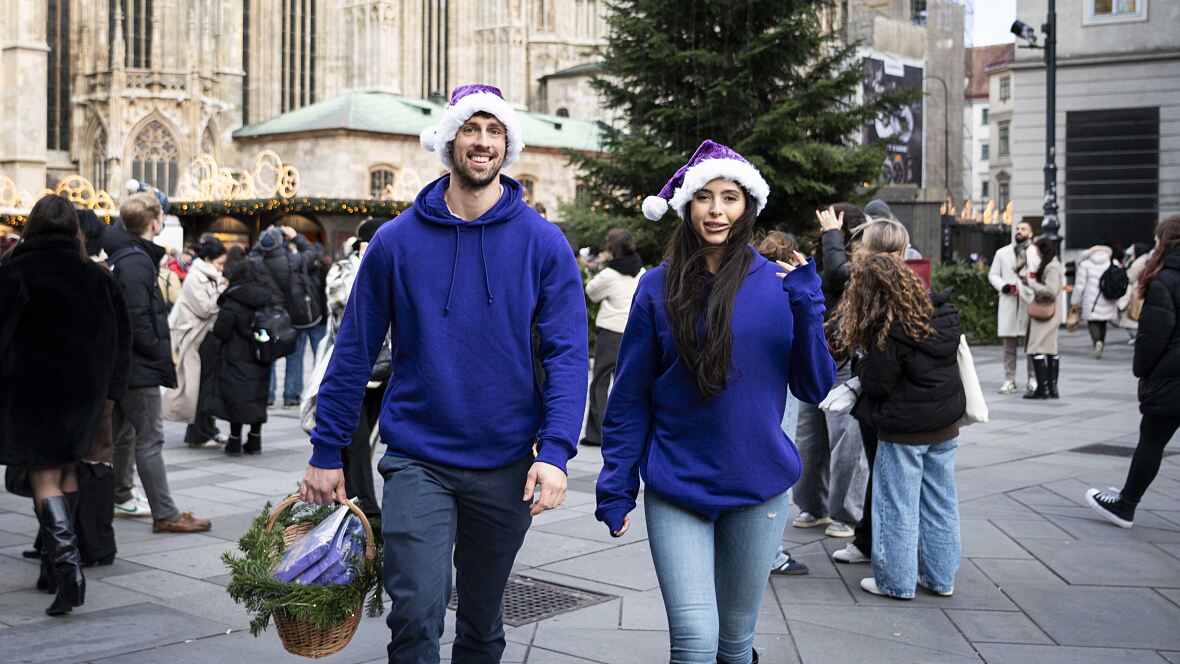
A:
{"x":1113,"y":450}
{"x":529,"y":600}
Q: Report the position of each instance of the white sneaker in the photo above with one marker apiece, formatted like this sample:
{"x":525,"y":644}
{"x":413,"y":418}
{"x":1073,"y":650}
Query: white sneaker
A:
{"x":133,"y":508}
{"x":1098,"y":348}
{"x":809,"y":520}
{"x":869,"y":585}
{"x":850,"y":554}
{"x":839,"y":529}
{"x":1008,"y":387}
{"x":940,"y":593}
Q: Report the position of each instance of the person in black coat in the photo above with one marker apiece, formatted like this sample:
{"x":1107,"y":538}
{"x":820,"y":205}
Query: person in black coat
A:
{"x":911,"y":394}
{"x":65,"y":348}
{"x":1157,"y":365}
{"x":242,"y":382}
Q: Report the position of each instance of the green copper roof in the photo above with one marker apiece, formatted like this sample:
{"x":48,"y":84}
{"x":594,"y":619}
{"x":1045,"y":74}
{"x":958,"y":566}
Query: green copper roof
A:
{"x":386,"y":113}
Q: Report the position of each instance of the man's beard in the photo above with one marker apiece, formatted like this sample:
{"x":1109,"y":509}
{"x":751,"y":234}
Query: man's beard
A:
{"x":473,"y":180}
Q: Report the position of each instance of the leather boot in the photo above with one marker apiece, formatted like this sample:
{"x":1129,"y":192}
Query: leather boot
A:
{"x":233,"y":445}
{"x":45,"y":580}
{"x":1041,"y":368}
{"x":1054,"y":365}
{"x":63,"y":552}
{"x":253,"y":443}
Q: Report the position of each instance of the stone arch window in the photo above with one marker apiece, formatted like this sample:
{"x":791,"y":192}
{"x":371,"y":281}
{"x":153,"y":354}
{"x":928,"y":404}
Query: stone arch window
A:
{"x":209,"y":142}
{"x":98,"y":159}
{"x":155,"y":158}
{"x":529,"y":184}
{"x":380,"y":177}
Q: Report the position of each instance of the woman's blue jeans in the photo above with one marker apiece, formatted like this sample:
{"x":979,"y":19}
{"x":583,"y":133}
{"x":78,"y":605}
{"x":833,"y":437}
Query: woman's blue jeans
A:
{"x":915,"y":518}
{"x":712,"y":575}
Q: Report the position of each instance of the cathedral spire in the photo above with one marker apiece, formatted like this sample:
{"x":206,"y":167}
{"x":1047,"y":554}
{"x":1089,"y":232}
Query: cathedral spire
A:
{"x":119,"y":48}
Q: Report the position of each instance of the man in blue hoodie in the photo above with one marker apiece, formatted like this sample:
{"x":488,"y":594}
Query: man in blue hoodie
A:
{"x":459,"y":282}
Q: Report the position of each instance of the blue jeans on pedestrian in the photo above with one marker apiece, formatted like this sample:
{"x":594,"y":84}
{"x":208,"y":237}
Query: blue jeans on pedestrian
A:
{"x":293,"y":373}
{"x":915,"y":518}
{"x":428,"y":511}
{"x":712,"y":574}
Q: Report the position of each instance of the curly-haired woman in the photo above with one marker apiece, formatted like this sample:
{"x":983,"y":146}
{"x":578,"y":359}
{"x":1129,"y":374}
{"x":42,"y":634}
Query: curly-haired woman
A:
{"x":912,"y":396}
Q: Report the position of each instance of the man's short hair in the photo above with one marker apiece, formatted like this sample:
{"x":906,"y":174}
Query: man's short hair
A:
{"x":139,"y":211}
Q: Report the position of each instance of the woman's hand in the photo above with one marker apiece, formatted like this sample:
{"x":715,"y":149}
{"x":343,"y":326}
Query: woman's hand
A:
{"x":829,"y":220}
{"x":799,"y":259}
{"x":623,"y":531}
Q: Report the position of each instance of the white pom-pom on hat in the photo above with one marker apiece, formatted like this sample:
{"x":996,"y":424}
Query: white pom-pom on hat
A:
{"x":428,"y":137}
{"x":654,"y":208}
{"x":131,"y":186}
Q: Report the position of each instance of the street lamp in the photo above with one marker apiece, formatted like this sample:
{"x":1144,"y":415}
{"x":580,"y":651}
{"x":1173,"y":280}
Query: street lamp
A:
{"x":1050,"y":224}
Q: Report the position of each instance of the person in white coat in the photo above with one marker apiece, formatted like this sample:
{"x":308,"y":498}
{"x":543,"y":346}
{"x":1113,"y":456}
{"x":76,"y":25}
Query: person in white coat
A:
{"x":190,"y":320}
{"x":1095,"y":308}
{"x":613,"y":289}
{"x":1014,"y":264}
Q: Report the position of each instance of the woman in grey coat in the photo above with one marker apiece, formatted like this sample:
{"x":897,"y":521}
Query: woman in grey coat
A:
{"x":1042,"y":334}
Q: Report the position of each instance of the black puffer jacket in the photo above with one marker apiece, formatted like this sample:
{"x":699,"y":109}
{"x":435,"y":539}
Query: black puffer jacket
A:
{"x":911,"y":391}
{"x":242,"y":383}
{"x":65,"y":348}
{"x":137,"y":273}
{"x":836,"y":270}
{"x":280,"y":262}
{"x":1157,"y":347}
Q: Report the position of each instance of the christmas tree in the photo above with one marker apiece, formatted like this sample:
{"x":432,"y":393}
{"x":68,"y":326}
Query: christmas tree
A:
{"x":770,"y":78}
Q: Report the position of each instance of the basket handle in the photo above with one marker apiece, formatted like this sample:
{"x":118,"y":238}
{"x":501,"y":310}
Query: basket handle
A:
{"x":370,"y":548}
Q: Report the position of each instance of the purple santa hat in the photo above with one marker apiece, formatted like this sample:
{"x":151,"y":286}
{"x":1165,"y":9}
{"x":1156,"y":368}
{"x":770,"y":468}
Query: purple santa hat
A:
{"x":466,"y":101}
{"x":710,"y":161}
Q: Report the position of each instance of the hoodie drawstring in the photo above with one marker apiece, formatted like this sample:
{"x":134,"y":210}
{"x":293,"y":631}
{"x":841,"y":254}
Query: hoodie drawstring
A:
{"x":483,"y":254}
{"x":487,"y":280}
{"x":454,"y":270}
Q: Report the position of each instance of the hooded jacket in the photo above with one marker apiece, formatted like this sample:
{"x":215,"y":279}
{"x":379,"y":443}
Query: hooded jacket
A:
{"x":137,"y":272}
{"x":241,"y":382}
{"x":911,"y":391}
{"x":460,"y":300}
{"x":730,"y":451}
{"x":1157,"y":346}
{"x":1094,"y":306}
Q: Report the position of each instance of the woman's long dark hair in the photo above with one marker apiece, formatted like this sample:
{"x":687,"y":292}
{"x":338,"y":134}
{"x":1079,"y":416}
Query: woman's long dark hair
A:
{"x":1048,"y":251}
{"x":54,"y":215}
{"x":1167,"y":236}
{"x":690,"y":294}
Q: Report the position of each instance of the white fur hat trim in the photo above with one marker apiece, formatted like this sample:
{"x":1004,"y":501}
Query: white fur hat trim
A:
{"x":435,"y":138}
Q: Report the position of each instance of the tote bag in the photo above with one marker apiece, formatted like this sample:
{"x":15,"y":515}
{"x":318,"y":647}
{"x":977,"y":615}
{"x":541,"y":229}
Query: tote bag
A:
{"x":976,"y":406}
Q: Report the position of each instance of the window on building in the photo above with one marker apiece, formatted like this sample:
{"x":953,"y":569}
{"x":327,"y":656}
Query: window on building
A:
{"x":1105,"y":11}
{"x":918,"y":12}
{"x":155,"y":158}
{"x":983,"y":118}
{"x":1004,"y":139}
{"x":1005,"y":88}
{"x":529,"y":184}
{"x":381,"y":177}
{"x":1003,"y":195}
{"x":984,"y":149}
{"x":137,"y":31}
{"x":58,"y":108}
{"x":984,"y":190}
{"x":297,"y":79}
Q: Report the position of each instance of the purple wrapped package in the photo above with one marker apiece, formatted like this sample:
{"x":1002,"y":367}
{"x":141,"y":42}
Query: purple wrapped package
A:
{"x":337,"y":562}
{"x":310,"y":548}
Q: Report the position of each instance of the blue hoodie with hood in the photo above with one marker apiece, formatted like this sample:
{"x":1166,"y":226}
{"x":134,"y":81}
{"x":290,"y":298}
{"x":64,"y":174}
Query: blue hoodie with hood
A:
{"x":460,"y":300}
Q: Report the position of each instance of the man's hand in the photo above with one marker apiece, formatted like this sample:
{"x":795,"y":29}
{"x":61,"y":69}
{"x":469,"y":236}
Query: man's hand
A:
{"x":324,"y":486}
{"x":288,"y":232}
{"x":553,"y":483}
{"x":829,"y":220}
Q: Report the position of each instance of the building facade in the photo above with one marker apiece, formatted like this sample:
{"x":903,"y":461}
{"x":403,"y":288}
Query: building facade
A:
{"x":1117,"y":119}
{"x":119,"y":89}
{"x":977,"y":136}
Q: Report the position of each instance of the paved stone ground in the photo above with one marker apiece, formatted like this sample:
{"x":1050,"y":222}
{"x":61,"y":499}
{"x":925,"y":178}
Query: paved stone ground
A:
{"x":1043,"y":579}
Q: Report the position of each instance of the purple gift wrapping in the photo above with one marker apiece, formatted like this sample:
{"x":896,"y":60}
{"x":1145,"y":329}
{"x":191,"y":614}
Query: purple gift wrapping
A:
{"x":310,"y":548}
{"x":337,"y":564}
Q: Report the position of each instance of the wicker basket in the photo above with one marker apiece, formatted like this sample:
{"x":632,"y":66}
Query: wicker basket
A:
{"x":299,"y":637}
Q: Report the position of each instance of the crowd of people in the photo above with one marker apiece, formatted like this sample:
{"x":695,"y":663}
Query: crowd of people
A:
{"x":735,"y":375}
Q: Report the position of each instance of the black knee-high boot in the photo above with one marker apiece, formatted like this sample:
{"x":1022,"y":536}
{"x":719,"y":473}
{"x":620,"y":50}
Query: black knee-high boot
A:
{"x":1041,"y":368}
{"x":1054,"y":365}
{"x":56,"y":524}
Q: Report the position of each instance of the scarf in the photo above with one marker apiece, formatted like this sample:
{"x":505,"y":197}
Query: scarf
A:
{"x":1021,"y":249}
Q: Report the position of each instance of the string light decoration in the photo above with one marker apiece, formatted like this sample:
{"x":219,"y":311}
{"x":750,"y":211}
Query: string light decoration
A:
{"x":15,"y":204}
{"x":204,"y":180}
{"x":306,"y":204}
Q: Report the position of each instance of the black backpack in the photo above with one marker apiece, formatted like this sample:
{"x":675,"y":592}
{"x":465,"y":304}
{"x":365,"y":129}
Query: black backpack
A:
{"x":299,"y":295}
{"x":272,"y":336}
{"x":1114,"y":282}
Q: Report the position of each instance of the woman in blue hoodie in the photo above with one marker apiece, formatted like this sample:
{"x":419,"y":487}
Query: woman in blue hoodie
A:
{"x":716,"y":336}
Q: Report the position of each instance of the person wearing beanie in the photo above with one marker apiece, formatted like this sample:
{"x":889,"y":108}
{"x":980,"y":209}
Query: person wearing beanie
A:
{"x":459,"y":281}
{"x":716,"y":336}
